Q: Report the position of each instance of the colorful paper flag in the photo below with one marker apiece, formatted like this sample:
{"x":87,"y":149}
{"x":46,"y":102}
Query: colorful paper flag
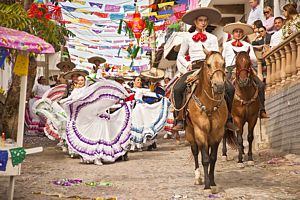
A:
{"x":181,"y":1}
{"x":128,"y":8}
{"x":101,"y":15}
{"x":17,"y":155}
{"x":99,"y":5}
{"x":21,"y":65}
{"x":166,"y":12}
{"x":179,"y":8}
{"x":79,"y":2}
{"x":161,"y":5}
{"x":173,"y":19}
{"x":114,"y":16}
{"x":112,"y":8}
{"x":3,"y":55}
{"x":68,"y":8}
{"x":179,"y":15}
{"x":3,"y":160}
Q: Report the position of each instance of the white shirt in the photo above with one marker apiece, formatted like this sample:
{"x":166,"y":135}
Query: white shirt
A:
{"x":39,"y":89}
{"x":195,"y":50}
{"x":255,"y":14}
{"x":276,"y":38}
{"x":229,"y":54}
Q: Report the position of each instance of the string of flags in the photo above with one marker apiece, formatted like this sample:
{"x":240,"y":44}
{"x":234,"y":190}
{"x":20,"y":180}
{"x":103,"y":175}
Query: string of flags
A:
{"x":113,"y":12}
{"x":17,"y":157}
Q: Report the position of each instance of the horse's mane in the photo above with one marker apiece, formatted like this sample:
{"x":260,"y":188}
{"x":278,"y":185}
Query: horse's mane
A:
{"x":212,"y":52}
{"x":243,"y":60}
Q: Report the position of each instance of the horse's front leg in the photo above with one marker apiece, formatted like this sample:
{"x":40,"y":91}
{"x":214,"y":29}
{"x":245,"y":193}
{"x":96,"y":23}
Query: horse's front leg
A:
{"x":240,"y":148}
{"x":213,"y":158}
{"x":205,"y":163}
{"x":224,"y":148}
{"x":250,"y":140}
{"x":195,"y":151}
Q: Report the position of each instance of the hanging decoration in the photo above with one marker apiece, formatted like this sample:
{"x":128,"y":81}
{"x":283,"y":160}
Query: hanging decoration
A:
{"x":3,"y":160}
{"x":17,"y":155}
{"x":3,"y":55}
{"x":21,"y":65}
{"x":134,"y":28}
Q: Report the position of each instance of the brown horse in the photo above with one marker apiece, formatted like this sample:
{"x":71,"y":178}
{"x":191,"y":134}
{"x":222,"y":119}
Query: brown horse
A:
{"x":207,"y":114}
{"x":245,"y":107}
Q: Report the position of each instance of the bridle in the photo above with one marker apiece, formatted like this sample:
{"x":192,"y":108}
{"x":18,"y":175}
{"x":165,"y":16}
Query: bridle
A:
{"x":248,"y":70}
{"x":211,"y":75}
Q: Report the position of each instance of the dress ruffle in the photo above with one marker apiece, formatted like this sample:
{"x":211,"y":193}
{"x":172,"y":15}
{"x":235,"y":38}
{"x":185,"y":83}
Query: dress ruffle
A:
{"x":92,"y":131}
{"x":148,"y":120}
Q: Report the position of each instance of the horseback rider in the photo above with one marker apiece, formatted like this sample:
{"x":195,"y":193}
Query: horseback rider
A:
{"x":239,"y":31}
{"x":194,"y":43}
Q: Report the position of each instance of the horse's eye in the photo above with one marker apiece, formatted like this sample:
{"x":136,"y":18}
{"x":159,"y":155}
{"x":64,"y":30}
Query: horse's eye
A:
{"x":208,"y":65}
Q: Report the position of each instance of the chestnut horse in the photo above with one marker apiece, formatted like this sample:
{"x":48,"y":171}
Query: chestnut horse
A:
{"x":206,"y":117}
{"x":245,"y":107}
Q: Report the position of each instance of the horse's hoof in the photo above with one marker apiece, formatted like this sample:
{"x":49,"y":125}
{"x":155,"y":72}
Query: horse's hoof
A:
{"x":224,"y":158}
{"x":198,"y":181}
{"x":214,"y":189}
{"x":177,"y":142}
{"x":241,"y":165}
{"x":250,"y":163}
{"x":207,"y":192}
{"x":229,"y":158}
{"x":186,"y":143}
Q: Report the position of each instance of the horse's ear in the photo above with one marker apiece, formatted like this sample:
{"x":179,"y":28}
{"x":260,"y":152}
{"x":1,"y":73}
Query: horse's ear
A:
{"x":205,"y":50}
{"x":248,"y":51}
{"x":235,"y":52}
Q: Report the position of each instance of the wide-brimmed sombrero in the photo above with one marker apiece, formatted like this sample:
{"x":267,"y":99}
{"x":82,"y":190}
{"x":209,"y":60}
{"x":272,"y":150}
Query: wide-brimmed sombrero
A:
{"x":94,"y":58}
{"x":68,"y":64}
{"x":153,"y":73}
{"x":214,"y":16}
{"x":79,"y":72}
{"x":238,"y":25}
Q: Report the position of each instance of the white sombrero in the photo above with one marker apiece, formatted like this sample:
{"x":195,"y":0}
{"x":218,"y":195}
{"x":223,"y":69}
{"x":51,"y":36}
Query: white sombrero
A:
{"x":79,"y":72}
{"x":154,"y":73}
{"x":68,"y":64}
{"x":94,"y":58}
{"x":229,"y":28}
{"x":214,"y":16}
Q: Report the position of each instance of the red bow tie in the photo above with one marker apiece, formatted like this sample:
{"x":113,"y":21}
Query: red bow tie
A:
{"x":237,"y":43}
{"x":200,"y":37}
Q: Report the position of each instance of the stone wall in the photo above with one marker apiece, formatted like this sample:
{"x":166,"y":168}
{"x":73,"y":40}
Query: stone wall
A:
{"x":283,"y":127}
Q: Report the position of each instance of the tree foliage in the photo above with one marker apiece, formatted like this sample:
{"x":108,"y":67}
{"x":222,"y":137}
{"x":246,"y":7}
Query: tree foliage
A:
{"x":16,"y":17}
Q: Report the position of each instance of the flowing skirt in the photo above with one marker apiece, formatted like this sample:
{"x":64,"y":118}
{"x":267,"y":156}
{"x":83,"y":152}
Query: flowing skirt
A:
{"x":148,"y":120}
{"x":93,"y":131}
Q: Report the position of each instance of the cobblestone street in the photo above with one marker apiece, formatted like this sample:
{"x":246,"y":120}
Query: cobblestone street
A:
{"x":166,"y":173}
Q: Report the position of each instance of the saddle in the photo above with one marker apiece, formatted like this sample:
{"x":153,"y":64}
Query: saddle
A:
{"x":191,"y":82}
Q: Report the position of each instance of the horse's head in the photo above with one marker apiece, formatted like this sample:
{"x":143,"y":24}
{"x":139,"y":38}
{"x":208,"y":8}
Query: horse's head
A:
{"x":243,"y":68}
{"x":216,"y":71}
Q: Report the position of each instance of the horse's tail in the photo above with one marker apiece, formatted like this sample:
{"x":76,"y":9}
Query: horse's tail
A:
{"x":231,"y":139}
